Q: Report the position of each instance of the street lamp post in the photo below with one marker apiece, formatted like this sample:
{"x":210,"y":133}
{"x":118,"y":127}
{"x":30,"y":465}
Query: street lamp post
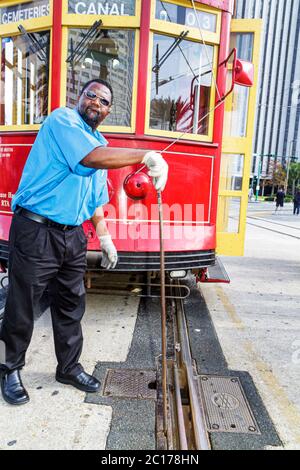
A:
{"x":258,"y":177}
{"x":259,"y":170}
{"x":288,"y":164}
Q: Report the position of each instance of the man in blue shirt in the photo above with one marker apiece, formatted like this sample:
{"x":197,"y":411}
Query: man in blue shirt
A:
{"x":62,"y":185}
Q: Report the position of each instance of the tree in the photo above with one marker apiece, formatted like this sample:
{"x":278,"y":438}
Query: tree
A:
{"x":294,"y":175}
{"x":276,"y":175}
{"x":279,"y":175}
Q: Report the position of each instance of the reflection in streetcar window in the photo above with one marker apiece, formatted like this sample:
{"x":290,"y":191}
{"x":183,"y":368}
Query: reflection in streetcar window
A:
{"x":244,"y":44}
{"x":229,"y":212}
{"x":24,"y":79}
{"x":231,"y":172}
{"x":236,"y":111}
{"x":176,"y":103}
{"x":110,"y":57}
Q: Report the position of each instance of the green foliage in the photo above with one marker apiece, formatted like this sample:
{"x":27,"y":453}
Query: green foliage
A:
{"x":294,"y":176}
{"x":279,"y":175}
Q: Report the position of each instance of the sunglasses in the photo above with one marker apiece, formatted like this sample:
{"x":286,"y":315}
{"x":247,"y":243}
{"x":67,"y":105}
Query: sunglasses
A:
{"x":92,"y":96}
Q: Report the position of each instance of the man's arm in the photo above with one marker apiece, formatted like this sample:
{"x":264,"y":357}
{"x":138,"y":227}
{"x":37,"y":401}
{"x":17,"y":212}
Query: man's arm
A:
{"x":109,"y":252}
{"x":99,"y":223}
{"x":111,"y":158}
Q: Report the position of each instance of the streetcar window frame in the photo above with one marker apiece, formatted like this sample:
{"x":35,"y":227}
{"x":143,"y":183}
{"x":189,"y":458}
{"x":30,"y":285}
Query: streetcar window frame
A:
{"x":111,"y":22}
{"x":130,"y":127}
{"x":32,"y":25}
{"x":174,"y":30}
{"x":24,"y":94}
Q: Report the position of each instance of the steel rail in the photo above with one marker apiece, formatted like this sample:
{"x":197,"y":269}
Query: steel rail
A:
{"x":272,"y":222}
{"x":274,"y":231}
{"x":163,"y":312}
{"x":199,"y":425}
{"x":179,"y":410}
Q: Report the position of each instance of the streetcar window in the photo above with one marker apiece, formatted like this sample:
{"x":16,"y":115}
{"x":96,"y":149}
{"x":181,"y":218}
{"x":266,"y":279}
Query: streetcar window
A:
{"x":229,"y":209}
{"x":236,"y":109}
{"x":183,"y":15}
{"x":24,"y":79}
{"x":179,"y":100}
{"x":244,"y":45}
{"x":237,"y":116}
{"x":110,"y":57}
{"x":231,"y":172}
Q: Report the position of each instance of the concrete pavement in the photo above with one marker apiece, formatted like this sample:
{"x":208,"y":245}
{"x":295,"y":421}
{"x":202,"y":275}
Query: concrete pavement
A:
{"x":57,"y":417}
{"x":257,"y":317}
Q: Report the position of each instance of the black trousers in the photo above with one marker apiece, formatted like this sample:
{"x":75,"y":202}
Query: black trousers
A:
{"x":42,"y":257}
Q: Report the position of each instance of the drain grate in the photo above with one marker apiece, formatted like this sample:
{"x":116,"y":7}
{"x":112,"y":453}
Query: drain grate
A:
{"x":130,"y":383}
{"x":227,"y":409}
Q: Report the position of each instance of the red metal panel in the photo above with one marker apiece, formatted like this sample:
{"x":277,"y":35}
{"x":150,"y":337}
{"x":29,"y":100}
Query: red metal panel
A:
{"x":14,"y":149}
{"x":176,"y":238}
{"x":143,"y":66}
{"x":189,"y":184}
{"x":225,"y":5}
{"x":191,"y":222}
{"x":5,"y":221}
{"x":56,"y":54}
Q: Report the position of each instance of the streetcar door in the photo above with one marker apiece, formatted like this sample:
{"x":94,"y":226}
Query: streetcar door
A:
{"x":237,"y":146}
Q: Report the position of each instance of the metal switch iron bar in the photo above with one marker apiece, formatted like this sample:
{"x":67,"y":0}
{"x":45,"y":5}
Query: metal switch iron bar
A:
{"x":163,"y":315}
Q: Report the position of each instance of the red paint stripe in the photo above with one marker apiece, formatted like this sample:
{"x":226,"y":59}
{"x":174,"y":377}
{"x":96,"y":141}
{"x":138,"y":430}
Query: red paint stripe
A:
{"x":225,"y":5}
{"x":56,"y":54}
{"x":143,"y":67}
{"x":219,"y":112}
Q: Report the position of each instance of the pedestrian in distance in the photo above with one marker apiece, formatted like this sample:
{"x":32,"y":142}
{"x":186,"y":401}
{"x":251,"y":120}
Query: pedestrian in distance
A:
{"x":250,"y":194}
{"x":296,"y":201}
{"x":280,"y":199}
{"x":64,"y":183}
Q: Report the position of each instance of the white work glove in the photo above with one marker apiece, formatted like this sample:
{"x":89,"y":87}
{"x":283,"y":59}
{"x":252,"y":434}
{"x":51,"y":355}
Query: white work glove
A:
{"x":109,"y":252}
{"x":158,"y":169}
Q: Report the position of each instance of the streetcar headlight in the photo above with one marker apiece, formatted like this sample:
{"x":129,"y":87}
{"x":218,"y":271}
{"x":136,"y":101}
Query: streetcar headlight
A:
{"x":178,"y":274}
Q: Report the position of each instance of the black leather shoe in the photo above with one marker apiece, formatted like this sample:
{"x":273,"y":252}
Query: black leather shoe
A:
{"x":12,"y":388}
{"x":82,"y":381}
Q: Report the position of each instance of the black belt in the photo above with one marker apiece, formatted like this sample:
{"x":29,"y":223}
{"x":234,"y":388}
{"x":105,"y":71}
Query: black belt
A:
{"x":42,"y":220}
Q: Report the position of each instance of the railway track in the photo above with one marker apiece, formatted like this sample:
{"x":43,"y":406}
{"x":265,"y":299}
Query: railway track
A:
{"x":180,"y":418}
{"x":293,"y":232}
{"x":273,"y":222}
{"x":186,"y":425}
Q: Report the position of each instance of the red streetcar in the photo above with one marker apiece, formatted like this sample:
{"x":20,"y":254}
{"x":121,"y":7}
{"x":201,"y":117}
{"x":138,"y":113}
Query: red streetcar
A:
{"x":170,"y":66}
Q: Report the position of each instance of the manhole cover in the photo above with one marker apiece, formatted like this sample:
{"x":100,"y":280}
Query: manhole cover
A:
{"x":130,"y":383}
{"x":227,"y":409}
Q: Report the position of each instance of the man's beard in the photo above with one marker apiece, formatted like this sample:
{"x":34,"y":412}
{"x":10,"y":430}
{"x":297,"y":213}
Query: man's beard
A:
{"x":91,"y":121}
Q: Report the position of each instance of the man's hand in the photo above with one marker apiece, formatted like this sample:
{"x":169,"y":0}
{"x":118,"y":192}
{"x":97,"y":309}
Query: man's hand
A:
{"x":158,"y":169}
{"x":109,"y":252}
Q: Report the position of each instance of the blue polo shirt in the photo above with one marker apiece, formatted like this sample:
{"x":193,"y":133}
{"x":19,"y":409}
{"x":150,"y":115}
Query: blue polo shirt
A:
{"x":54,"y":183}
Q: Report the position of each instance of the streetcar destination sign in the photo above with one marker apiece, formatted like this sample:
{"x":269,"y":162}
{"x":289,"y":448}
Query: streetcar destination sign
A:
{"x":24,"y":11}
{"x":116,"y":8}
